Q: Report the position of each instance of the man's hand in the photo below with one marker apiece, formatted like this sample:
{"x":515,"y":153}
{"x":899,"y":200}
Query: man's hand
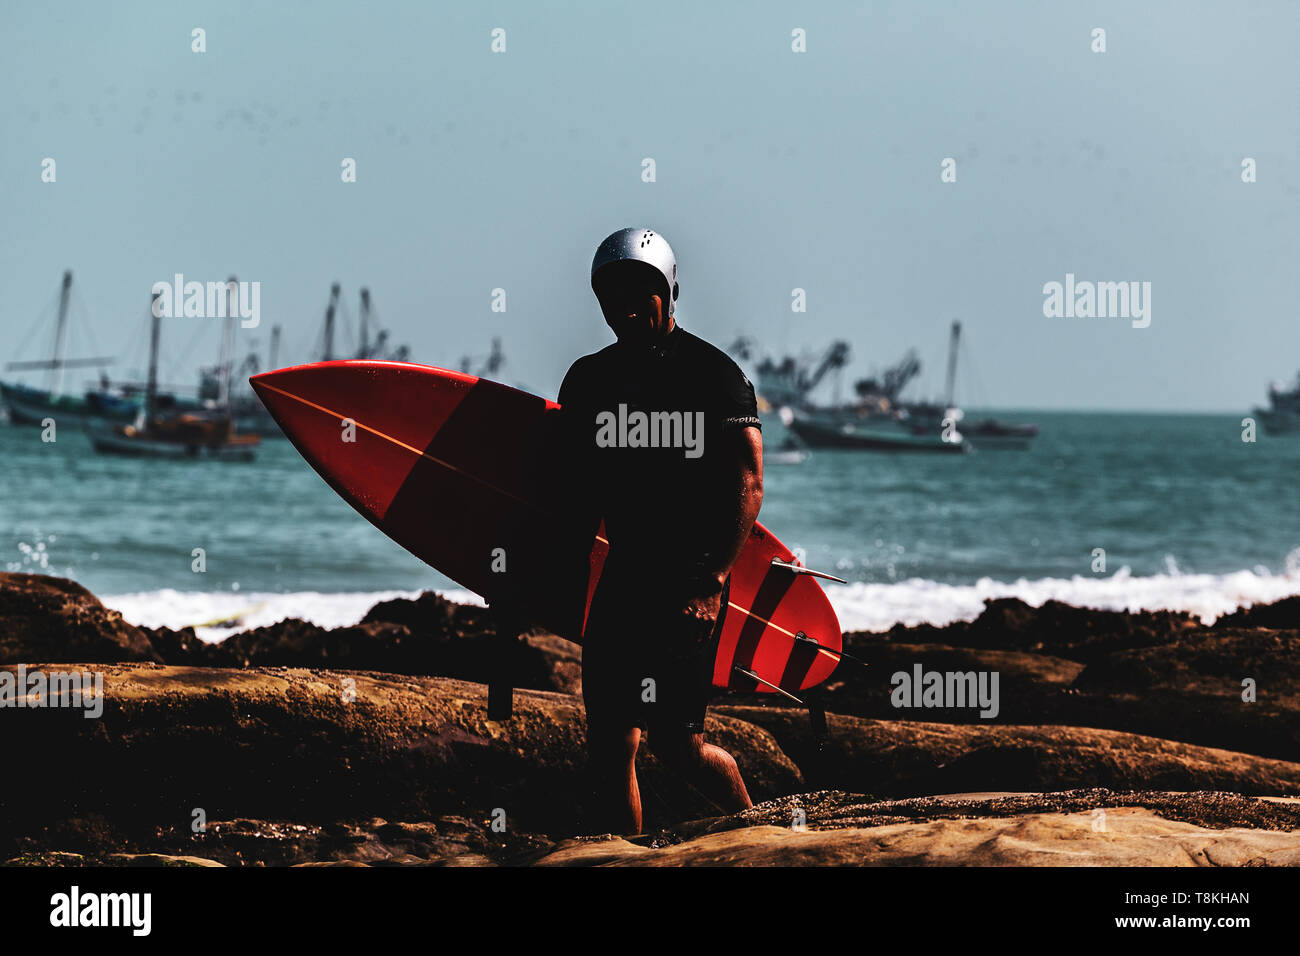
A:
{"x":698,"y":615}
{"x":704,"y":608}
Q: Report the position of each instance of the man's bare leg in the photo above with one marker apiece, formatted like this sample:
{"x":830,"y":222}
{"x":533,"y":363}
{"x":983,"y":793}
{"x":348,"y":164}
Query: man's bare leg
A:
{"x":611,"y":756}
{"x":709,"y":768}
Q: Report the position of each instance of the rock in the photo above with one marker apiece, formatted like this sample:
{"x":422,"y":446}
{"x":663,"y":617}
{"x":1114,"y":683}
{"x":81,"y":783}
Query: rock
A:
{"x":432,"y":614}
{"x":428,"y":635}
{"x":285,"y":744}
{"x":1030,"y":686}
{"x":907,"y":758}
{"x":47,"y":858}
{"x":182,"y":647}
{"x":158,"y":859}
{"x":1079,"y":828}
{"x":1132,"y":838}
{"x":1058,"y":629}
{"x":1091,"y":826}
{"x":333,"y":863}
{"x":1193,"y":691}
{"x":1156,"y":674}
{"x":44,"y":618}
{"x":1283,"y":614}
{"x":1210,"y":662}
{"x":563,"y":661}
{"x":836,"y":809}
{"x":296,"y":643}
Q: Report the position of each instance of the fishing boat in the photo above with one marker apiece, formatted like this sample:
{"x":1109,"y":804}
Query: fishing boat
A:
{"x":930,"y":418}
{"x":159,"y":432}
{"x":29,"y":405}
{"x":1282,"y":417}
{"x":183,"y":435}
{"x":837,"y":431}
{"x":879,"y":422}
{"x":878,"y":419}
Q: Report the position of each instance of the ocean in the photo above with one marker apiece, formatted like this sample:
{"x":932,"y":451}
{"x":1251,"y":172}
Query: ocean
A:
{"x":1189,"y":518}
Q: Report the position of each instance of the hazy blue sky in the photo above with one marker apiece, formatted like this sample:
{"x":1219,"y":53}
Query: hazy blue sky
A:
{"x":775,"y":170}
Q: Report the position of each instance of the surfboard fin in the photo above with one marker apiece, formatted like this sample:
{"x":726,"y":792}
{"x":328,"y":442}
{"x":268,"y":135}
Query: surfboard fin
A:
{"x":766,"y":683}
{"x":800,"y":569}
{"x":818,"y":765}
{"x":803,"y":638}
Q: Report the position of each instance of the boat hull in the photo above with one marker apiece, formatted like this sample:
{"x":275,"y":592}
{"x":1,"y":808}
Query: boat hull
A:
{"x":31,"y":406}
{"x":112,"y":442}
{"x":846,"y":435}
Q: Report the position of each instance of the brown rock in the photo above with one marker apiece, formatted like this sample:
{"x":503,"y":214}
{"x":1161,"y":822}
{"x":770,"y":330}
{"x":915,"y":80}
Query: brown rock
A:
{"x":1283,"y":614}
{"x":281,"y":744}
{"x":1094,"y":827}
{"x":158,"y":859}
{"x":427,"y":635}
{"x":1030,"y":685}
{"x":182,"y":647}
{"x":1061,"y":630}
{"x":907,"y":758}
{"x":44,"y":618}
{"x":1132,"y":838}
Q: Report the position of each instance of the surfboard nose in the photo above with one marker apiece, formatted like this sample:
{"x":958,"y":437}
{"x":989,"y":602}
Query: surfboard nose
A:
{"x":262,"y":381}
{"x":275,"y":376}
{"x":270,"y":389}
{"x":281,"y":390}
{"x":298,"y":393}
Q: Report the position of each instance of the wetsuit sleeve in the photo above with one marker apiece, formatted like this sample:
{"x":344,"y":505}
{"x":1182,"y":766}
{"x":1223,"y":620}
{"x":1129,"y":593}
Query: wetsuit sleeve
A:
{"x":739,"y":405}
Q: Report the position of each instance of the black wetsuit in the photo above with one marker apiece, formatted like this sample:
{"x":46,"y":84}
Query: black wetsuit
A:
{"x":646,"y":427}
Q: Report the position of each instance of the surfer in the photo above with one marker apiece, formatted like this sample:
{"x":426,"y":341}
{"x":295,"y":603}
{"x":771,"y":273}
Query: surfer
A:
{"x":679,"y":490}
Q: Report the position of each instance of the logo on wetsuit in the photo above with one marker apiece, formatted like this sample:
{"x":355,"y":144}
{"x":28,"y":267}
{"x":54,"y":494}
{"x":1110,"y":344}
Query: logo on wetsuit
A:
{"x":637,"y":429}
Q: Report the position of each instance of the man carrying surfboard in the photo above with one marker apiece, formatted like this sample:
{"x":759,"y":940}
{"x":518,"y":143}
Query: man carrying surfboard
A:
{"x":667,"y":448}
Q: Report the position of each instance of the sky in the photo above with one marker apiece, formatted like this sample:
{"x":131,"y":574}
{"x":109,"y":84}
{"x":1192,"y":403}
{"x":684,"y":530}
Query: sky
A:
{"x":775,"y":170}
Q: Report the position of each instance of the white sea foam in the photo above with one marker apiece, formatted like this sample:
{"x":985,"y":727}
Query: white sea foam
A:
{"x":861,"y":607}
{"x":877,"y":607}
{"x":208,"y":611}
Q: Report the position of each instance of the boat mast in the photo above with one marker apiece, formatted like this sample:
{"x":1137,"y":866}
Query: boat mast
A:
{"x":275,"y":346}
{"x":952,"y":364}
{"x":365,"y":324}
{"x":151,"y":388}
{"x":329,"y":323}
{"x":60,"y":334}
{"x":227,"y":346}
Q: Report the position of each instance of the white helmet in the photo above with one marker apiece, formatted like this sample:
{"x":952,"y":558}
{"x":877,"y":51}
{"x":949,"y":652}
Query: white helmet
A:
{"x":640,"y":245}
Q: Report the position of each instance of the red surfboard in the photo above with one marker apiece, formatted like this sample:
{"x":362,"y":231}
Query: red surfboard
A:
{"x":455,"y":469}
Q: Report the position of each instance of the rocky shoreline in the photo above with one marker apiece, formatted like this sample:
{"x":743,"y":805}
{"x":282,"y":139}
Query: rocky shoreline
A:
{"x":1119,"y":739}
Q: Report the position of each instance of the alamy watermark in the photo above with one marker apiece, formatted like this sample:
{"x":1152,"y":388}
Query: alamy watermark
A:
{"x":946,"y":689}
{"x":75,"y":689}
{"x":133,"y":911}
{"x":637,"y":429}
{"x":1100,"y":300}
{"x":209,"y":300}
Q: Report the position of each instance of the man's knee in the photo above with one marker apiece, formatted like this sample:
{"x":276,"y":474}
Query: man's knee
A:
{"x":608,"y":744}
{"x":680,"y":750}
